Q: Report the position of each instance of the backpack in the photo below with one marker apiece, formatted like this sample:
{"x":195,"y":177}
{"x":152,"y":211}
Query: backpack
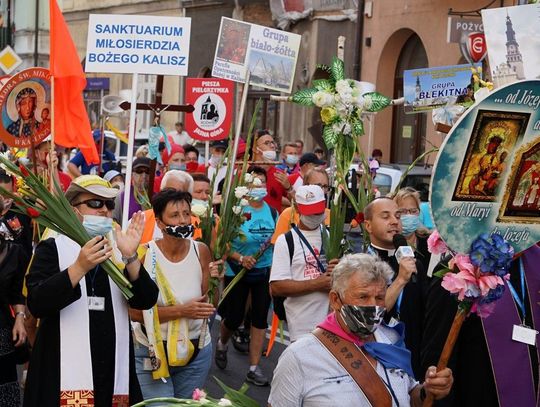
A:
{"x":279,"y":302}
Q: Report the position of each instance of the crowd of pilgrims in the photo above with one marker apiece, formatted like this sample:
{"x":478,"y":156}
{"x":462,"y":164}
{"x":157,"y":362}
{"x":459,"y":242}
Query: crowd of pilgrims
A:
{"x":81,"y":340}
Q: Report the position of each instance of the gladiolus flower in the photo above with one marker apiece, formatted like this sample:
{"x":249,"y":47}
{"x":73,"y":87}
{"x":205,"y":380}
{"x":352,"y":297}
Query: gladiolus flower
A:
{"x":240,"y":192}
{"x":24,"y":171}
{"x":198,"y":394}
{"x":33,"y":213}
{"x":225,"y":402}
{"x":237,"y":209}
{"x":359,"y":218}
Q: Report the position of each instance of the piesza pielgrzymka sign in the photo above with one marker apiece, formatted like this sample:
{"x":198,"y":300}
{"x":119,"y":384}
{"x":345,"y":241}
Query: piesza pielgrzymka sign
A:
{"x":213,"y":100}
{"x":138,"y":44}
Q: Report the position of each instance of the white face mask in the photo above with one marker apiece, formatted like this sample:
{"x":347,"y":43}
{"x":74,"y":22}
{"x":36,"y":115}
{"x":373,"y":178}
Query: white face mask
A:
{"x":268,"y":155}
{"x":312,"y":222}
{"x":214,"y":160}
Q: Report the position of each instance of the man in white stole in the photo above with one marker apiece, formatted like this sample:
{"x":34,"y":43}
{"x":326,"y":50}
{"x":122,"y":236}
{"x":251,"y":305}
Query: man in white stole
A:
{"x":83,"y":354}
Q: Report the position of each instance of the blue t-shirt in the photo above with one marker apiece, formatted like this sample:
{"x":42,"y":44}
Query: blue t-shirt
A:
{"x":425,"y":215}
{"x":107,"y":158}
{"x":256,"y":231}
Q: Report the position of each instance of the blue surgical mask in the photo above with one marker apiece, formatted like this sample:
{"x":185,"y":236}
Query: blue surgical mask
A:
{"x":97,"y":225}
{"x":181,"y":167}
{"x":268,"y":155}
{"x":410,"y":223}
{"x":257,"y":194}
{"x":291,"y":159}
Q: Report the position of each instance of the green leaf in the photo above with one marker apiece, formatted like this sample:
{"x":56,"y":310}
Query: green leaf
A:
{"x":304,"y":97}
{"x":329,"y":137}
{"x":323,"y":67}
{"x":238,"y":399}
{"x":323,"y":85}
{"x":376,"y":102}
{"x":337,"y":69}
{"x":442,"y":272}
{"x":357,"y":127}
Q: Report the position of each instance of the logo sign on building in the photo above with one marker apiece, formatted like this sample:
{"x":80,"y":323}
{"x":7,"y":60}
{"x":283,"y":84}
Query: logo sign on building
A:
{"x":269,"y":54}
{"x":487,"y":175}
{"x":9,"y":60}
{"x":476,"y":47}
{"x":511,"y":40}
{"x":25,"y":103}
{"x":429,"y":88}
{"x":459,"y":27}
{"x":213,"y":100}
{"x":138,"y":44}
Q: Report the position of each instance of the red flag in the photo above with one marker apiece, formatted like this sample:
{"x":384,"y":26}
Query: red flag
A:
{"x":71,"y":124}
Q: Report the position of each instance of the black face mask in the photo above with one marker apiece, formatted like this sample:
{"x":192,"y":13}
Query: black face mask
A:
{"x":180,"y":231}
{"x":362,"y":320}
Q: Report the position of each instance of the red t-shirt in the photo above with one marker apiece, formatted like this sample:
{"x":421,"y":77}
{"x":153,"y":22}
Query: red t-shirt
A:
{"x":275,"y":190}
{"x":65,"y":180}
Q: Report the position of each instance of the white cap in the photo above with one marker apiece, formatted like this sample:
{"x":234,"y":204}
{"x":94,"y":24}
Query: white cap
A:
{"x":310,"y":200}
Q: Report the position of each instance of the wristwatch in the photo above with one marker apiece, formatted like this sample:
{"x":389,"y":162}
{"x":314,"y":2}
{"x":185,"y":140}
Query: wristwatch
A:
{"x":240,"y":259}
{"x":20,"y":313}
{"x":130,"y":259}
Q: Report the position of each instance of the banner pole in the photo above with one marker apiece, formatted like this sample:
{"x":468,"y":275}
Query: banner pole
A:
{"x":206,"y":152}
{"x":131,"y":143}
{"x":51,"y":169}
{"x":238,"y":129}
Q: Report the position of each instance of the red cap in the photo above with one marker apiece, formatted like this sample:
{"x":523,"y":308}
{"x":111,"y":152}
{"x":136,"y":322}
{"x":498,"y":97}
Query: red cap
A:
{"x":175,"y":148}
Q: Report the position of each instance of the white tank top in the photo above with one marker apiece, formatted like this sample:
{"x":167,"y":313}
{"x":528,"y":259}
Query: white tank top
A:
{"x":185,"y":279}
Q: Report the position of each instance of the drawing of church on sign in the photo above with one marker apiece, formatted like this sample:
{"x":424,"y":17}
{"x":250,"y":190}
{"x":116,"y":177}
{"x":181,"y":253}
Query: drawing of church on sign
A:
{"x":511,"y":70}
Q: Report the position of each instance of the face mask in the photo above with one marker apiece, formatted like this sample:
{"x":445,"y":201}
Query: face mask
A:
{"x":97,"y":225}
{"x":180,"y":231}
{"x":312,"y":221}
{"x":257,"y":194}
{"x":410,"y":223}
{"x":362,"y":320}
{"x":268,"y":155}
{"x":196,"y":201}
{"x":291,"y":159}
{"x":181,"y":167}
{"x":118,"y":185}
{"x":214,"y":160}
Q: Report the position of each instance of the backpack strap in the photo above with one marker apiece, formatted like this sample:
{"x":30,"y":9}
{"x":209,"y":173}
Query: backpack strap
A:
{"x":290,"y":244}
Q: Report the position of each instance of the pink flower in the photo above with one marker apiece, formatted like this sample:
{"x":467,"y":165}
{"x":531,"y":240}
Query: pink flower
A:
{"x":198,"y":394}
{"x":463,"y":263}
{"x":463,"y":284}
{"x":435,"y":244}
{"x":488,"y":282}
{"x":483,"y":310}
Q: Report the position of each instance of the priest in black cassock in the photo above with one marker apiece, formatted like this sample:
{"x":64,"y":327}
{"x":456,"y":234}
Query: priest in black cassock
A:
{"x":83,"y":354}
{"x":404,"y":297}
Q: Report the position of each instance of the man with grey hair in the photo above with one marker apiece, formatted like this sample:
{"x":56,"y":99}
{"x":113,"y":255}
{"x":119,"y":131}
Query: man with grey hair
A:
{"x":353,"y":358}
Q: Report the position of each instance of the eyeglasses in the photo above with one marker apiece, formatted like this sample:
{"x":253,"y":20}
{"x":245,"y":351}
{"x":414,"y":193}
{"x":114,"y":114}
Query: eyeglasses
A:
{"x":97,"y":203}
{"x":412,"y":211}
{"x":142,"y":170}
{"x":269,"y":143}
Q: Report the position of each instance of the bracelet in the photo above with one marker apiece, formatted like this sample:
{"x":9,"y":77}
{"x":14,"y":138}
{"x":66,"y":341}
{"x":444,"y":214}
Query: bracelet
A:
{"x":20,"y":313}
{"x":130,"y":259}
{"x":240,"y":259}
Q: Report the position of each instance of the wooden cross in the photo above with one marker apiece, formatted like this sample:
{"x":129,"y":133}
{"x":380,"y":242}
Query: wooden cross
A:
{"x":158,"y":107}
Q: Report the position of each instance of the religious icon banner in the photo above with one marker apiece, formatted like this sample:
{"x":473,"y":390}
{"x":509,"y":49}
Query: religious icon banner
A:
{"x":487,"y":174}
{"x":269,"y":54}
{"x":25,"y":103}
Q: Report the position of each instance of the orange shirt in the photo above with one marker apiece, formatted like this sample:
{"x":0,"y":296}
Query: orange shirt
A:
{"x":150,"y":225}
{"x":287,"y":218}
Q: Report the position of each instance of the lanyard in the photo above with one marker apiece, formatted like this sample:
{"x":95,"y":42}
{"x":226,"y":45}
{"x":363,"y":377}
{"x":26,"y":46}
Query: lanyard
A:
{"x":93,"y":279}
{"x":321,"y":267}
{"x":519,"y":301}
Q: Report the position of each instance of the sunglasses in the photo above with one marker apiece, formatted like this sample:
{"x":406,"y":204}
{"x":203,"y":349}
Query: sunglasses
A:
{"x":97,"y":203}
{"x":143,"y":170}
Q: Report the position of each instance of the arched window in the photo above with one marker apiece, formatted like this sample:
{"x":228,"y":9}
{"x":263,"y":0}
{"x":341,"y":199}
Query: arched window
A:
{"x":408,"y":130}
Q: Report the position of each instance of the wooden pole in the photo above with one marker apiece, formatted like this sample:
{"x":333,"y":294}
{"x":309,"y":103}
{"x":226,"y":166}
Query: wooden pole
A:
{"x":131,"y":143}
{"x":53,"y":133}
{"x":448,"y":348}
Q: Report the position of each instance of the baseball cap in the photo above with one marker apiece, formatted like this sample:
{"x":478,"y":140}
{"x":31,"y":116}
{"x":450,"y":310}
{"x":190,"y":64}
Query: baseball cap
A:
{"x":93,"y":184}
{"x":109,"y":175}
{"x":310,"y":200}
{"x":220,"y":144}
{"x":141,"y":162}
{"x":311,"y":158}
